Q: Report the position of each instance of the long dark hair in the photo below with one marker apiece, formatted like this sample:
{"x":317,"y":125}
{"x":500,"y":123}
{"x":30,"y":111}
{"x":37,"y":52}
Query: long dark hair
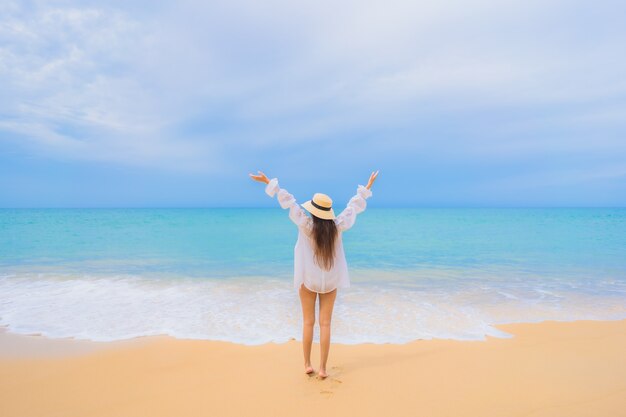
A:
{"x":324,"y":237}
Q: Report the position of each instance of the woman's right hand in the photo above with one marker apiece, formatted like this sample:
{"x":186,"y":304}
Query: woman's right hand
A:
{"x":371,"y":180}
{"x":260,"y":178}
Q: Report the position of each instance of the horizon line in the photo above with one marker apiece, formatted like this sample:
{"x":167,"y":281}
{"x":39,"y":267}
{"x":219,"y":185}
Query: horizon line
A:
{"x":273,"y":207}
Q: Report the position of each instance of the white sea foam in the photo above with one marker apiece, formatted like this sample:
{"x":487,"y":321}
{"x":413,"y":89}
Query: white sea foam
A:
{"x":257,"y":310}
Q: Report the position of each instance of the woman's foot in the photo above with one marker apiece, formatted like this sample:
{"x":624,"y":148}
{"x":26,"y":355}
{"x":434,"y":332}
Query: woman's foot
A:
{"x":308,"y":369}
{"x":322,"y":374}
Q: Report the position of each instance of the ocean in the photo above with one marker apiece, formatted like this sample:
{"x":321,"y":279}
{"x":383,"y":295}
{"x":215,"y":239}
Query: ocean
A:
{"x":226,"y":274}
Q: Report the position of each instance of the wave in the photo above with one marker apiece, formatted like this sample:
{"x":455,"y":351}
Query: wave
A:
{"x":256,"y":309}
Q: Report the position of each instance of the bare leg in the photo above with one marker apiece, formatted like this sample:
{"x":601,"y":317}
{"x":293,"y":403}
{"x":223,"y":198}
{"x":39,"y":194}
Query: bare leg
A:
{"x":327,"y":302}
{"x":307,"y":299}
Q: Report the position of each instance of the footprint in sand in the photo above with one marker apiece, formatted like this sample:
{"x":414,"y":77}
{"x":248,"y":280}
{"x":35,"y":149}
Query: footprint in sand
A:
{"x":326,"y":392}
{"x":334,"y":384}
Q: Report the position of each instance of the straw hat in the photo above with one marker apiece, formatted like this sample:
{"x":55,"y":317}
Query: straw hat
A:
{"x":320,"y":206}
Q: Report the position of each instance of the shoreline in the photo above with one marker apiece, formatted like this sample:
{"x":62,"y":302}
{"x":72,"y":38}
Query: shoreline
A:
{"x":404,"y":306}
{"x":548,"y":368}
{"x":37,"y":344}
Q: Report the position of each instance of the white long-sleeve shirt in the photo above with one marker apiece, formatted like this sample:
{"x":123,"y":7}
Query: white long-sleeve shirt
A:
{"x":306,"y":270}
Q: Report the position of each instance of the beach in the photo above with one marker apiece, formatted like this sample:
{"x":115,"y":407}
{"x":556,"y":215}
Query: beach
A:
{"x":172,"y":172}
{"x":176,"y":312}
{"x":548,"y":368}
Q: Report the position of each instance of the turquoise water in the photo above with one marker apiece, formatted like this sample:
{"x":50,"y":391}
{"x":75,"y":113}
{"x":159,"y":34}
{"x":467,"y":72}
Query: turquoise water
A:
{"x":449,"y":273}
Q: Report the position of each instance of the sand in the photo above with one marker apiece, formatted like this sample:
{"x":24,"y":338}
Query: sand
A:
{"x":548,"y":369}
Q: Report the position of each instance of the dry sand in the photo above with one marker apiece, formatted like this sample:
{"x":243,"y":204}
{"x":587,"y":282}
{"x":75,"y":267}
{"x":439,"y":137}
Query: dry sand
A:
{"x":551,"y":368}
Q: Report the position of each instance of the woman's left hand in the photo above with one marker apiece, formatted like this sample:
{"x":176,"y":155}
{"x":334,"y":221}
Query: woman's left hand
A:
{"x":371,"y":180}
{"x":260,"y":178}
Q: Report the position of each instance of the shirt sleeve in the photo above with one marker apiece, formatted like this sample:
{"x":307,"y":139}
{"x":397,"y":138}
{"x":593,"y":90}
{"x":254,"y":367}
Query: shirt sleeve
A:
{"x":356,"y":205}
{"x":287,"y":201}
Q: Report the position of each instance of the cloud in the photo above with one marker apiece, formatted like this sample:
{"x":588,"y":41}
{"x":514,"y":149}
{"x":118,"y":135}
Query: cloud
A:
{"x":74,"y":89}
{"x":172,"y":85}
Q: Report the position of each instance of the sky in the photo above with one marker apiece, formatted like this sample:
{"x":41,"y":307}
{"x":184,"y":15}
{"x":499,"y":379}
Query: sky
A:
{"x":171,"y":104}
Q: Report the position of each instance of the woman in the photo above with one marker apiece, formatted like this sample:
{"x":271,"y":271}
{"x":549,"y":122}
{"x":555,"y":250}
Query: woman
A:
{"x":320,"y":264}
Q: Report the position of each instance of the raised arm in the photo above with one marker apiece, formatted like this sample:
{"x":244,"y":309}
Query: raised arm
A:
{"x":356,"y":205}
{"x":286,"y":200}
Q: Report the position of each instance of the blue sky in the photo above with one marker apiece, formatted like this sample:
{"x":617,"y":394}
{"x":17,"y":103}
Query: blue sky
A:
{"x":457,"y":103}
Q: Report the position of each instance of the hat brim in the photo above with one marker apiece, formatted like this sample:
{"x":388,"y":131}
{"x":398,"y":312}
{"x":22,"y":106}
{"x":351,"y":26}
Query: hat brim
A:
{"x":322,"y":214}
